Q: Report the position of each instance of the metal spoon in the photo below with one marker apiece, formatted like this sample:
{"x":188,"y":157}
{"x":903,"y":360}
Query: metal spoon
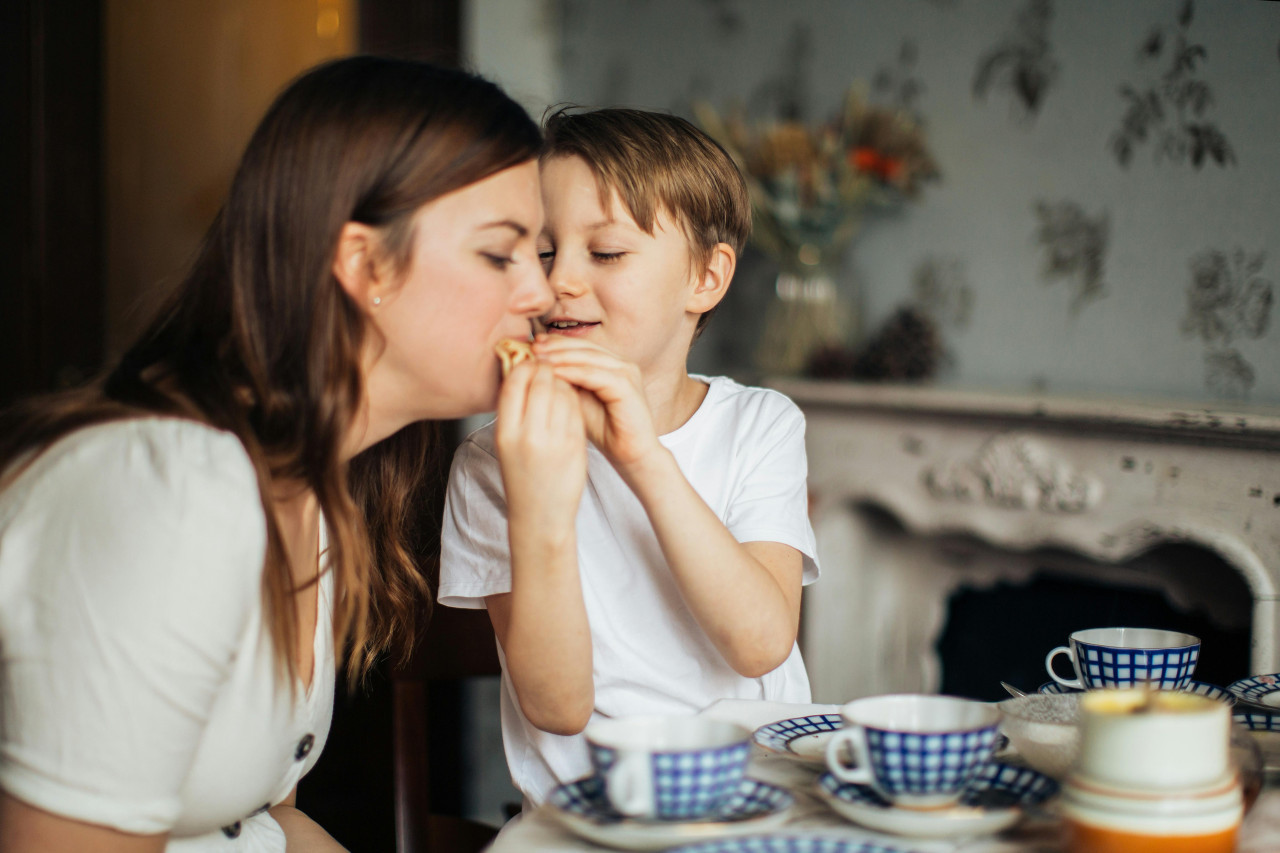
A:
{"x":1250,"y":705}
{"x":1011,"y":690}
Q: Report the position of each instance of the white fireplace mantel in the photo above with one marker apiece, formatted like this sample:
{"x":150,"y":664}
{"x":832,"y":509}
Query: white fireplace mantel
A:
{"x":1105,"y":479}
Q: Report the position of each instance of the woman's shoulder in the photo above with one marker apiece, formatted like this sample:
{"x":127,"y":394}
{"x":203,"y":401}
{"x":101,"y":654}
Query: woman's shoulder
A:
{"x":156,"y":470}
{"x":168,"y":450}
{"x":163,"y":505}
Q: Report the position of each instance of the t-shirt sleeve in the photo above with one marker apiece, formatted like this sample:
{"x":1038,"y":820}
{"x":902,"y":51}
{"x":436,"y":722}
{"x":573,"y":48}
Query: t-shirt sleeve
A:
{"x":130,"y":562}
{"x":475,"y":555}
{"x":771,"y":503}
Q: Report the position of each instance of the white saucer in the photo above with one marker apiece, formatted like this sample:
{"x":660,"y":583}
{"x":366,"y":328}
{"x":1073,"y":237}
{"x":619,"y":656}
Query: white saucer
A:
{"x":582,"y":808}
{"x":1200,"y":688}
{"x":994,"y":801}
{"x":803,"y":739}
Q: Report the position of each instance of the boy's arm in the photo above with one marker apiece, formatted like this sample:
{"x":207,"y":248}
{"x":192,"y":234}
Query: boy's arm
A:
{"x":746,"y":596}
{"x":542,"y":622}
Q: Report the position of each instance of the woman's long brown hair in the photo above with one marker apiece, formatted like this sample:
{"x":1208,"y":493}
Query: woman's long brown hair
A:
{"x":261,"y":340}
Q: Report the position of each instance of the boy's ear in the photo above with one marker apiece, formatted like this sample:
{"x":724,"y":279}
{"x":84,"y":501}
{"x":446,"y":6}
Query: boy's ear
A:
{"x":715,"y":280}
{"x":356,"y":265}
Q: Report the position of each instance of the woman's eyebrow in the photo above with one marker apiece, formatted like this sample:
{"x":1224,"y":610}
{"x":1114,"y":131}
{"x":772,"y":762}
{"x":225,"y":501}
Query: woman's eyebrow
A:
{"x":520,"y":230}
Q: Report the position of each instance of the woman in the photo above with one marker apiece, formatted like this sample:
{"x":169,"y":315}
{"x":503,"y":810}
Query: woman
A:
{"x":187,"y":546}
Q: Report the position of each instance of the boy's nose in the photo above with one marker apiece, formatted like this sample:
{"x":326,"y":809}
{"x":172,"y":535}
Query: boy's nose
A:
{"x":565,"y":283}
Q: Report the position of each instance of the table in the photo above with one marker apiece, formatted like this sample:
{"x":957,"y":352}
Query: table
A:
{"x":540,"y":832}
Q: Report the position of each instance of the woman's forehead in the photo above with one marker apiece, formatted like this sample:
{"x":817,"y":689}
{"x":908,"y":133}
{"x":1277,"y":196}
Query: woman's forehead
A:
{"x":509,"y":199}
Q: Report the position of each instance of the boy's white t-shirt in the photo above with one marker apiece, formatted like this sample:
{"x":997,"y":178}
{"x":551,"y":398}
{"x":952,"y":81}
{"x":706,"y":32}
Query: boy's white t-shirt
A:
{"x":743,"y":452}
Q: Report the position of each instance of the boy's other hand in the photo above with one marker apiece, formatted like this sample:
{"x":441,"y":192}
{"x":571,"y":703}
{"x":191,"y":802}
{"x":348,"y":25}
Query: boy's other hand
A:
{"x":541,"y":446}
{"x":615,"y":410}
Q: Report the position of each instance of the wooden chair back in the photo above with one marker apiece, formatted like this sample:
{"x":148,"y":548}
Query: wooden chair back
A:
{"x":458,"y":644}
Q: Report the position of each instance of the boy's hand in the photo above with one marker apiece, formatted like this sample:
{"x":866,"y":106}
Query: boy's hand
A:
{"x":615,"y":410}
{"x":541,"y":447}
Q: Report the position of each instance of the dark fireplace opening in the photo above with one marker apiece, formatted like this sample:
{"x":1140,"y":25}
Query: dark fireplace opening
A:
{"x":1002,"y":632}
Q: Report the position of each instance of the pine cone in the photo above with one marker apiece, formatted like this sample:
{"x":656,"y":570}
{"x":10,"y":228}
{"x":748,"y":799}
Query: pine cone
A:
{"x":906,"y":348}
{"x":831,"y":362}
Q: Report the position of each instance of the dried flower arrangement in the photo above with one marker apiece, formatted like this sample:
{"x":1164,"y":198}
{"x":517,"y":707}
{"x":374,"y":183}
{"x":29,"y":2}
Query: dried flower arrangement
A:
{"x":810,"y":186}
{"x":811,"y":183}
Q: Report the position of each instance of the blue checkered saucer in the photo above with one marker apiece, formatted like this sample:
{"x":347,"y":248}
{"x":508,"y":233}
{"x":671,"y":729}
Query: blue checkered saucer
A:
{"x":995,"y":799}
{"x":1264,"y":729}
{"x":584,"y":810}
{"x":1200,"y":688}
{"x":801,"y":738}
{"x":789,"y":844}
{"x":1258,"y":721}
{"x":1258,"y":689}
{"x":1253,"y":718}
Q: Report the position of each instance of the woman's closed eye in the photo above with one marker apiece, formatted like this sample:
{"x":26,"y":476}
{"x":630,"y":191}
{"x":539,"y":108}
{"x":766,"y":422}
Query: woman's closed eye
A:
{"x":499,"y":261}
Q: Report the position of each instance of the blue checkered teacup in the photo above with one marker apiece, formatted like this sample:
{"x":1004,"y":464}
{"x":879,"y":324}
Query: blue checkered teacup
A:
{"x":668,"y":767}
{"x":916,"y":751}
{"x":1128,"y":657}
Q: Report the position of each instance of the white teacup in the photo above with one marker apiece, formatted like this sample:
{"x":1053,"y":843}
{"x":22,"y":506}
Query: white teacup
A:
{"x":916,"y":751}
{"x":668,"y":768}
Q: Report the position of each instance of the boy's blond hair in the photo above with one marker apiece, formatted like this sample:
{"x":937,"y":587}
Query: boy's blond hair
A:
{"x":656,"y":161}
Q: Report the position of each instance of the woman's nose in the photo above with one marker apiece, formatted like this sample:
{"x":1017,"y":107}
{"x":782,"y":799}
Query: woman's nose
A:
{"x":534,"y":297}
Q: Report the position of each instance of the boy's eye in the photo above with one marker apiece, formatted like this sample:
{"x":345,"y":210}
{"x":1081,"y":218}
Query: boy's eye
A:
{"x":546,"y":256}
{"x":607,"y":257}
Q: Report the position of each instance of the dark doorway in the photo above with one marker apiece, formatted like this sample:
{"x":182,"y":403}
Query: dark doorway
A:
{"x":1004,"y":632}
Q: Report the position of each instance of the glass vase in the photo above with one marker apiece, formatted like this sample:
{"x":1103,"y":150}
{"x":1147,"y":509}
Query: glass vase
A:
{"x":809,"y":312}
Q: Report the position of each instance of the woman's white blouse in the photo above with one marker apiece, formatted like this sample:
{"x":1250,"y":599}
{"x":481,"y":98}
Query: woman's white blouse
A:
{"x":137,"y":688}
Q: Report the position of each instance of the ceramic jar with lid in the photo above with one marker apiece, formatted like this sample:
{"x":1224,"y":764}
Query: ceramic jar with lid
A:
{"x":1154,"y":774}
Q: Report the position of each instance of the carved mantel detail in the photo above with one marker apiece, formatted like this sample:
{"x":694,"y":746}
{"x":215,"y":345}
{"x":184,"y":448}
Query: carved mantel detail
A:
{"x":1013,"y":471}
{"x":991,"y":488}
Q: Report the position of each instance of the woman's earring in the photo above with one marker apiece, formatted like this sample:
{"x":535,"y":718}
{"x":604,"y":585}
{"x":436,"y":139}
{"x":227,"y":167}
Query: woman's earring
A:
{"x":377,"y":300}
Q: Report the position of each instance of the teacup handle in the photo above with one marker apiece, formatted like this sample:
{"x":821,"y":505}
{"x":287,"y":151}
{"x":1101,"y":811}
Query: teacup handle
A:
{"x":1065,"y":682}
{"x":629,"y":784}
{"x":856,"y":739}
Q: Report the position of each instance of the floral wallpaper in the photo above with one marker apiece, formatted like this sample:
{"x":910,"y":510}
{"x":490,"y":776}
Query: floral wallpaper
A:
{"x":1227,"y":299}
{"x":1108,"y":216}
{"x":1075,"y":248}
{"x":1022,"y":63}
{"x":1168,"y":109}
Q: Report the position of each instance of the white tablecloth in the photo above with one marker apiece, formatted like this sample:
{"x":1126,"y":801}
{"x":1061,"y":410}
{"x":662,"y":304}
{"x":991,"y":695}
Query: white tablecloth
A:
{"x":540,"y":832}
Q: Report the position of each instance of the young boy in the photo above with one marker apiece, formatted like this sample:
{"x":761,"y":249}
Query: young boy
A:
{"x":692,"y":534}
